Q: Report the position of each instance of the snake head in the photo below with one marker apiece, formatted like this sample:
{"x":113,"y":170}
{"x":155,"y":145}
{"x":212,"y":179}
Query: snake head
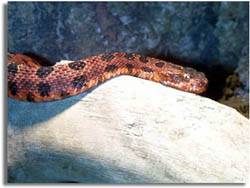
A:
{"x":185,"y":78}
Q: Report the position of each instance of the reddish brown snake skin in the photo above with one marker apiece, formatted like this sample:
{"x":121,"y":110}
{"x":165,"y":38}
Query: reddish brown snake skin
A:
{"x":28,"y":81}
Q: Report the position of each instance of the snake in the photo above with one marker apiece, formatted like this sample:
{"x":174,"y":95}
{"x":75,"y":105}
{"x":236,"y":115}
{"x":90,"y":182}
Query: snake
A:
{"x":31,"y":82}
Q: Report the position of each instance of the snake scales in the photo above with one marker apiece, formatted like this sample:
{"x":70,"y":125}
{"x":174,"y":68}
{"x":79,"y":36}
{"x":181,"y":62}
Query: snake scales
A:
{"x":28,"y":81}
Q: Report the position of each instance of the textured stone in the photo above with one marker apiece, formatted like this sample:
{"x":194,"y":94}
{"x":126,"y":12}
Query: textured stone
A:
{"x":236,"y":90}
{"x":207,"y":33}
{"x":127,"y":130}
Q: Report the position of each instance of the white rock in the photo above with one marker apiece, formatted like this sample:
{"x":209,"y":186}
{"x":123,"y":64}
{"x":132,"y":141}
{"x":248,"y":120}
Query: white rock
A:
{"x":127,"y":130}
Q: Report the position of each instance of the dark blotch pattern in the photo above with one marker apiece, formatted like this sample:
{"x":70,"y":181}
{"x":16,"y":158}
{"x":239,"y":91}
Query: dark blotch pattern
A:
{"x":43,"y":72}
{"x":79,"y":81}
{"x":130,"y":67}
{"x":64,"y":94}
{"x":30,"y":97}
{"x":12,"y":87}
{"x":146,"y":69}
{"x":143,"y":59}
{"x":110,"y":68}
{"x":129,"y":56}
{"x":78,"y":65}
{"x":44,"y":89}
{"x":176,"y":78}
{"x":13,"y":68}
{"x":27,"y":85}
{"x":107,"y":57}
{"x":159,"y":64}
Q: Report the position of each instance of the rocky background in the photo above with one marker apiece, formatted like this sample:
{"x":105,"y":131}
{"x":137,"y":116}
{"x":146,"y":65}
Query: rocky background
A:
{"x":209,"y":36}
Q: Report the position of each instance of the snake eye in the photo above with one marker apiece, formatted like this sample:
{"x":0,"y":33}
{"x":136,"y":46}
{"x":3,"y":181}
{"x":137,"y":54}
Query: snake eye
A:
{"x":186,"y":76}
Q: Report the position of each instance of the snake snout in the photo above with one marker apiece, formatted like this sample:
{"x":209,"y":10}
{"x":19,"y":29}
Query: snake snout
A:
{"x":199,"y":83}
{"x":198,"y":86}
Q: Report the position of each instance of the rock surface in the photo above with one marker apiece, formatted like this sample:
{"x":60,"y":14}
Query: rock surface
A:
{"x":236,"y":90}
{"x":127,"y":130}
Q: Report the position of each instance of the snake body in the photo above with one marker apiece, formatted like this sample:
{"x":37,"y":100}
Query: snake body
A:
{"x":28,"y":81}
